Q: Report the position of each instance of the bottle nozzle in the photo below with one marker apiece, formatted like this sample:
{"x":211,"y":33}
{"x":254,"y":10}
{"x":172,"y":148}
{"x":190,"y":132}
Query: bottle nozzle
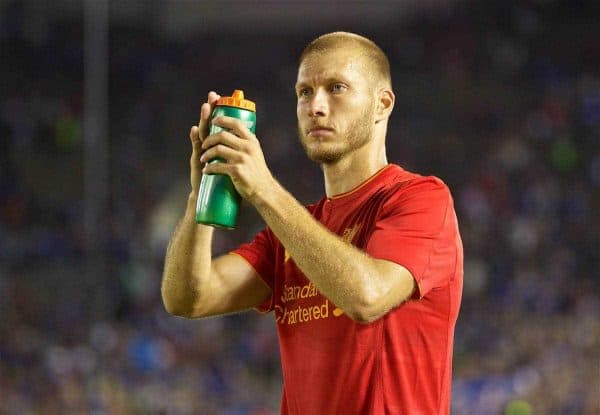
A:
{"x":237,"y":100}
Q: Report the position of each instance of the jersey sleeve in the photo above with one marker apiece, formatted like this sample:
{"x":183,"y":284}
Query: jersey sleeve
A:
{"x":417,"y":229}
{"x":260,"y":254}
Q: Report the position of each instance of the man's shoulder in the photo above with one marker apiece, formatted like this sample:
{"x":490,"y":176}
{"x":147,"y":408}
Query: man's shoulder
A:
{"x":403,"y":180}
{"x":315,"y":205}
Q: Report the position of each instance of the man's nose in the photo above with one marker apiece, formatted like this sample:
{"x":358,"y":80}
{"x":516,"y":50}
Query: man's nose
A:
{"x":318,"y":106}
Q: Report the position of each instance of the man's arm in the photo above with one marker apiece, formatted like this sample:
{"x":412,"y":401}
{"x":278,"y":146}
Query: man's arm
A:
{"x":193,"y":284}
{"x":366,"y":288}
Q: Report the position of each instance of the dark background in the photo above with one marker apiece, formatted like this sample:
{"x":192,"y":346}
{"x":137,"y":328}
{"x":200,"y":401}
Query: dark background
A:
{"x":501,"y":99}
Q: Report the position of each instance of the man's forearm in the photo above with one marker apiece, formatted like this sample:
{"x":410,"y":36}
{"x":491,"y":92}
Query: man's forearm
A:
{"x":343,"y":273}
{"x":187,"y":263}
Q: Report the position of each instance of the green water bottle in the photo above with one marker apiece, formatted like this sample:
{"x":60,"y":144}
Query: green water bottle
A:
{"x":218,"y":201}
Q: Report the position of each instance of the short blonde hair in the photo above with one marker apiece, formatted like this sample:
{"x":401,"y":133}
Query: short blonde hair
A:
{"x":372,"y":54}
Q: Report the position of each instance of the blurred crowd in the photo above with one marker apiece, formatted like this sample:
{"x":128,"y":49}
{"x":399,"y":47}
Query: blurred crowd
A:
{"x":499,"y":99}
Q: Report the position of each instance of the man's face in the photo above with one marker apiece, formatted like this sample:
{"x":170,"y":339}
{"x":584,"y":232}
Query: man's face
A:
{"x":336,"y":104}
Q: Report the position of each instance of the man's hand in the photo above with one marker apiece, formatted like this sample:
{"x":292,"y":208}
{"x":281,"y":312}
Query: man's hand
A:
{"x":245,"y":162}
{"x":197,"y":136}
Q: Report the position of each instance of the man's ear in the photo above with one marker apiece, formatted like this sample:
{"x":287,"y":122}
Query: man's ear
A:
{"x":385,"y":104}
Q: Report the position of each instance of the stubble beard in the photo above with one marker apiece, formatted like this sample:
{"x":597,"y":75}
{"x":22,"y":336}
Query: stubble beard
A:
{"x":359,"y":133}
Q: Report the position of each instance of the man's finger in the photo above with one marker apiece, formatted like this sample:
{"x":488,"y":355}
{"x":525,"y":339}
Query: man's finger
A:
{"x":218,"y":168}
{"x":205,"y":111}
{"x":223,"y":137}
{"x":204,"y":117}
{"x":213,"y":97}
{"x":221,"y":151}
{"x":237,"y":126}
{"x":194,"y":134}
{"x":195,"y":139}
{"x":196,"y":146}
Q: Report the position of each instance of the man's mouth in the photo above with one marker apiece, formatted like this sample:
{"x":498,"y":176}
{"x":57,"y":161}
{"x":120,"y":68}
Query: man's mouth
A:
{"x":319,"y":130}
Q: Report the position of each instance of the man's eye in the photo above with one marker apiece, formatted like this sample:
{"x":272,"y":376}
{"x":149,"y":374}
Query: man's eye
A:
{"x":304,"y":92}
{"x":338,"y":87}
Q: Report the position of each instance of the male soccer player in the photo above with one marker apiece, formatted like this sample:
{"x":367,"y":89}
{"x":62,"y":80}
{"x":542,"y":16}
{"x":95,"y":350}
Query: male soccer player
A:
{"x":365,"y":285}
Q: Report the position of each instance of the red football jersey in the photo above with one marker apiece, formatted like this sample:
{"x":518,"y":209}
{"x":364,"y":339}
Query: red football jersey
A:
{"x":401,"y":363}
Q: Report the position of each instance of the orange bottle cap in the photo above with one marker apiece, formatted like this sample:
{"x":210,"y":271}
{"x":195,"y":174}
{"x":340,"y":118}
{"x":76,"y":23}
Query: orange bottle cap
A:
{"x":237,"y":100}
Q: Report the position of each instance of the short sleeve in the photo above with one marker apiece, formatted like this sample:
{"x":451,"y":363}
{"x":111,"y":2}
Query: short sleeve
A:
{"x":260,"y":254}
{"x":417,"y":229}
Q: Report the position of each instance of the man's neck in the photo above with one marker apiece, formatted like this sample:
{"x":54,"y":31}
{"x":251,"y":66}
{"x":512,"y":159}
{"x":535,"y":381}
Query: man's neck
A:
{"x":349,"y":172}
